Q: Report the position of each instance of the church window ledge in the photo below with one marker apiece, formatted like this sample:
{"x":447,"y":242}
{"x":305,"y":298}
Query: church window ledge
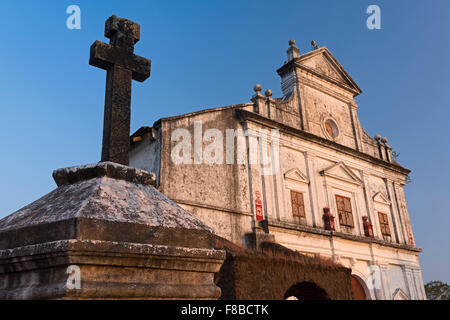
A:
{"x":300,"y":221}
{"x":346,"y":229}
{"x":326,"y":233}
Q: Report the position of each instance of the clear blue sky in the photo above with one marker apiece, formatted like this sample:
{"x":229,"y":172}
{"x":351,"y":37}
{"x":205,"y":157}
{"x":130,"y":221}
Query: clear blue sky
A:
{"x":211,"y":53}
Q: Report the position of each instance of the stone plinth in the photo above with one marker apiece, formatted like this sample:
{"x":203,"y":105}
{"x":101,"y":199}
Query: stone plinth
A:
{"x":125,"y":238}
{"x":253,"y":240}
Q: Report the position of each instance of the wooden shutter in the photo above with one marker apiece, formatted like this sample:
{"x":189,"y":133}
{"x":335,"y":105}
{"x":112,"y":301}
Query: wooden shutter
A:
{"x":344,"y":208}
{"x":298,"y":205}
{"x":384,"y":224}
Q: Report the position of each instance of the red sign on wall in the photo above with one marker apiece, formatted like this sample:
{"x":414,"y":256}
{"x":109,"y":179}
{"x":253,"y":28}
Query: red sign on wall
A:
{"x":258,"y":206}
{"x":328,"y":219}
{"x":368,"y":228}
{"x":411,"y":239}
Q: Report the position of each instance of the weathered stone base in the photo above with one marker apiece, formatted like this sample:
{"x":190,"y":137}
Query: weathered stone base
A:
{"x":109,"y":270}
{"x":252,"y":240}
{"x":126,"y":239}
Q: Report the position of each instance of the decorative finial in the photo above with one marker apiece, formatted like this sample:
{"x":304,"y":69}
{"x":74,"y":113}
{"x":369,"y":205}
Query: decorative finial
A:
{"x":292,"y":51}
{"x":314,"y":45}
{"x":268,"y":93}
{"x":384,"y":140}
{"x":257,"y":88}
{"x":378,"y":137}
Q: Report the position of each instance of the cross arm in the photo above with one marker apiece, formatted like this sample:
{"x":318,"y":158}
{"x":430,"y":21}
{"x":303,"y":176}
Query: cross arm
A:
{"x":104,"y":56}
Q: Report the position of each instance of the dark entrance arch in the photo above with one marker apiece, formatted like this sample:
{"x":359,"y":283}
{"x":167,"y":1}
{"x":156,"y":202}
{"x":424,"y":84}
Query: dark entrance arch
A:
{"x":306,"y":291}
{"x":358,"y":290}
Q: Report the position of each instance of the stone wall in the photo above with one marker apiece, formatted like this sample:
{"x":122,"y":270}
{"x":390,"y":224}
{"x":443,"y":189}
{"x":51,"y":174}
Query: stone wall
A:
{"x":269,"y":273}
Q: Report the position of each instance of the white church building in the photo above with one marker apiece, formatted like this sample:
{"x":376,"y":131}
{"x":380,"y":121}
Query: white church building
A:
{"x":301,"y":167}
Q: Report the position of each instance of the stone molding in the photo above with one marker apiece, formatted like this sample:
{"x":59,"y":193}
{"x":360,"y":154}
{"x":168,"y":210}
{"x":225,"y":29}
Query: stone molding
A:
{"x":109,"y":270}
{"x":327,"y":233}
{"x":352,"y":177}
{"x":244,"y":115}
{"x":296,"y":175}
{"x":71,"y":175}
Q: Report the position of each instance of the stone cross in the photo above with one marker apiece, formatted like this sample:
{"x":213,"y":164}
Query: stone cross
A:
{"x":122,"y":66}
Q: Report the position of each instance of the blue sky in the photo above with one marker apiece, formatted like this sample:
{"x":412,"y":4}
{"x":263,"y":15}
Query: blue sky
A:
{"x":211,"y":53}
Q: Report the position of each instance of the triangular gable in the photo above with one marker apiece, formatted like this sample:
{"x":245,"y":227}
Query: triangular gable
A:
{"x":399,"y":294}
{"x":341,"y":172}
{"x":322,"y":63}
{"x":381,"y":198}
{"x":296,"y":175}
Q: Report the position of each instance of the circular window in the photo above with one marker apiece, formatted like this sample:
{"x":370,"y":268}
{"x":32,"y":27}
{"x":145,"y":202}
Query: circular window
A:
{"x":331,"y":128}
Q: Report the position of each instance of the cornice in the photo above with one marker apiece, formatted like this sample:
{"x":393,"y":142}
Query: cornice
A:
{"x":296,"y":63}
{"x":328,"y":233}
{"x":244,"y":115}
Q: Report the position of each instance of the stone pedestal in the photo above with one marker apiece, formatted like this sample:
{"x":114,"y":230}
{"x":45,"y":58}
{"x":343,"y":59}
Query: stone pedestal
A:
{"x":252,"y":240}
{"x":106,"y":232}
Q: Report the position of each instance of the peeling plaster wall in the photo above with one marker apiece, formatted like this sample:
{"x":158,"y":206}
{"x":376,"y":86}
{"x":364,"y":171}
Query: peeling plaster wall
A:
{"x":218,"y":194}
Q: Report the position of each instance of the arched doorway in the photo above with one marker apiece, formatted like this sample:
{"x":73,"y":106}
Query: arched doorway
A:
{"x":306,"y":291}
{"x":358,"y":289}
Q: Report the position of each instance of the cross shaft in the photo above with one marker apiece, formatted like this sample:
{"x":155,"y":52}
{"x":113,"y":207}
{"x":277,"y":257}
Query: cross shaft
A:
{"x":122,"y":66}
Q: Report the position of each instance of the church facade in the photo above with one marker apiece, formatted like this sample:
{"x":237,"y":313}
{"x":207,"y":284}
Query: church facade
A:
{"x":300,"y":168}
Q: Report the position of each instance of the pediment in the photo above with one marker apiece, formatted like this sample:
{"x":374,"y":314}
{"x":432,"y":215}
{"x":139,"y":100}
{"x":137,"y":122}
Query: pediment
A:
{"x":341,"y":171}
{"x":399,"y":294}
{"x":381,"y":198}
{"x":296,"y":175}
{"x":322,"y":63}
